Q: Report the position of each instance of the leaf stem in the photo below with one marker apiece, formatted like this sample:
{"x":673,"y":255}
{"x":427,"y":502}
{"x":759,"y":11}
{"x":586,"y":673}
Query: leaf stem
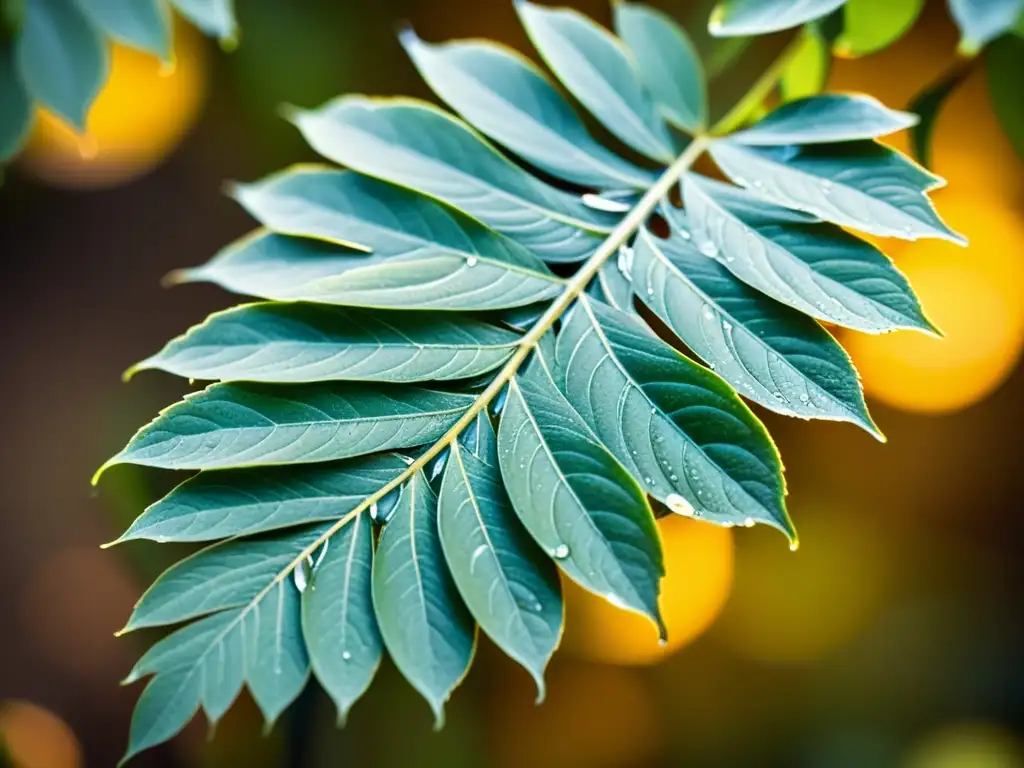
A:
{"x":573,"y":288}
{"x":758,"y":92}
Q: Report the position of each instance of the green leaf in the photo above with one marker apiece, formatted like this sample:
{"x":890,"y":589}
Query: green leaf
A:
{"x":338,"y":622}
{"x":426,"y":627}
{"x":817,"y":268}
{"x":731,"y":18}
{"x":611,"y":284}
{"x":505,"y":96}
{"x":415,"y":145}
{"x":255,"y":638}
{"x":62,"y":58}
{"x":774,"y":355}
{"x":928,"y":104}
{"x":241,"y":502}
{"x":675,"y":425}
{"x":806,"y":73}
{"x":15,"y":106}
{"x":214,"y":17}
{"x":1004,"y":63}
{"x":479,"y":440}
{"x":142,"y":24}
{"x":668,"y":62}
{"x":244,"y":425}
{"x":457,"y":273}
{"x":507,"y":582}
{"x":824,"y":119}
{"x":596,"y":68}
{"x":862,"y":185}
{"x":296,"y":343}
{"x":981,"y":21}
{"x":871,"y":25}
{"x":579,"y":504}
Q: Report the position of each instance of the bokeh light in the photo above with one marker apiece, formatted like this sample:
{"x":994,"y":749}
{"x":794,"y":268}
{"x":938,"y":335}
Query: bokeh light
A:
{"x":594,"y":716}
{"x":141,"y":115}
{"x":699,"y":569}
{"x":33,"y":737}
{"x":976,"y":297}
{"x":967,"y":745}
{"x":797,"y":608}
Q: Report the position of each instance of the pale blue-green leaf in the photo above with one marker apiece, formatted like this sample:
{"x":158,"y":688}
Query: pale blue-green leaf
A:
{"x":425,"y":625}
{"x":597,"y":69}
{"x":1004,"y":61}
{"x":503,"y":95}
{"x":668,"y":62}
{"x":241,"y":502}
{"x":674,"y":425}
{"x":774,"y":355}
{"x":207,"y":662}
{"x":344,"y":644}
{"x":612,"y":285}
{"x":142,"y":24}
{"x":862,"y":185}
{"x":15,"y":106}
{"x":823,"y":119}
{"x":244,"y":425}
{"x":416,"y":145}
{"x":575,"y":499}
{"x":509,"y":585}
{"x":214,"y":17}
{"x":981,"y":21}
{"x":424,"y":275}
{"x":297,"y":343}
{"x":237,"y":573}
{"x":479,"y":439}
{"x":62,"y":58}
{"x":732,"y":18}
{"x":814,"y":267}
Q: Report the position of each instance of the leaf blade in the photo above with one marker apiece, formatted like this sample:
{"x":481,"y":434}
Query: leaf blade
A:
{"x":732,"y":18}
{"x":826,"y":119}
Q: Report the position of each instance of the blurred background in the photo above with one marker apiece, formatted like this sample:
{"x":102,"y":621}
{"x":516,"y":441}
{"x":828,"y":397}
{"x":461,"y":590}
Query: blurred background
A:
{"x":894,"y":637}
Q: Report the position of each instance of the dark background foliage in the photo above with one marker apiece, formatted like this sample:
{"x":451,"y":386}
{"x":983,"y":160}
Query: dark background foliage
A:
{"x":894,"y":634}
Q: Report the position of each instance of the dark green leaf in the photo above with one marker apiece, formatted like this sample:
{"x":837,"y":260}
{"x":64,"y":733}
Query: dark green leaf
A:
{"x":338,"y":622}
{"x":508,"y":583}
{"x":814,"y":267}
{"x":575,"y":499}
{"x":415,"y":145}
{"x":142,"y":24}
{"x":774,"y":355}
{"x":506,"y":97}
{"x":596,"y":69}
{"x":15,"y":106}
{"x":416,"y":275}
{"x":824,"y":119}
{"x":479,"y":439}
{"x":928,"y":104}
{"x":241,"y":502}
{"x":62,"y":58}
{"x":862,"y":185}
{"x":1005,"y":62}
{"x":426,"y":627}
{"x":759,"y":17}
{"x":675,"y":425}
{"x":668,"y":63}
{"x":244,"y":425}
{"x":305,"y":342}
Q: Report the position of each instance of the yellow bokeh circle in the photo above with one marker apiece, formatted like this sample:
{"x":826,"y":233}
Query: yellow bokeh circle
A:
{"x":800,"y":607}
{"x":699,"y":568}
{"x":33,"y":737}
{"x":143,"y":112}
{"x":974,"y":295}
{"x":967,"y":745}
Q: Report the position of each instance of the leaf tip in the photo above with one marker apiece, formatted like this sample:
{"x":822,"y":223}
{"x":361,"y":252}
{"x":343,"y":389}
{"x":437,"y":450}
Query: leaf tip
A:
{"x":289,"y":112}
{"x":407,"y":36}
{"x":438,"y":708}
{"x":94,"y":481}
{"x":715,"y":21}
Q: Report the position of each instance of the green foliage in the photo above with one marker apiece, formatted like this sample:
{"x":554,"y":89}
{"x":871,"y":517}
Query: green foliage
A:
{"x":422,"y":423}
{"x":55,"y":53}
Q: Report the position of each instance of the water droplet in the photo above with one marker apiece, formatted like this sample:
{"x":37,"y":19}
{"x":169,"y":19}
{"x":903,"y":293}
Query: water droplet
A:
{"x":684,"y":234}
{"x":537,"y":606}
{"x":650,"y":291}
{"x":708,"y":314}
{"x":654,"y":411}
{"x":472,"y":261}
{"x":373,"y":511}
{"x":758,"y":183}
{"x":561,"y":552}
{"x":346,"y":655}
{"x":647,"y":480}
{"x":711,"y":366}
{"x":748,"y":523}
{"x":794,"y":546}
{"x":726,"y":326}
{"x":673,"y":478}
{"x":625,"y":263}
{"x":740,"y":180}
{"x":805,"y":398}
{"x":679,"y":505}
{"x":708,"y":248}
